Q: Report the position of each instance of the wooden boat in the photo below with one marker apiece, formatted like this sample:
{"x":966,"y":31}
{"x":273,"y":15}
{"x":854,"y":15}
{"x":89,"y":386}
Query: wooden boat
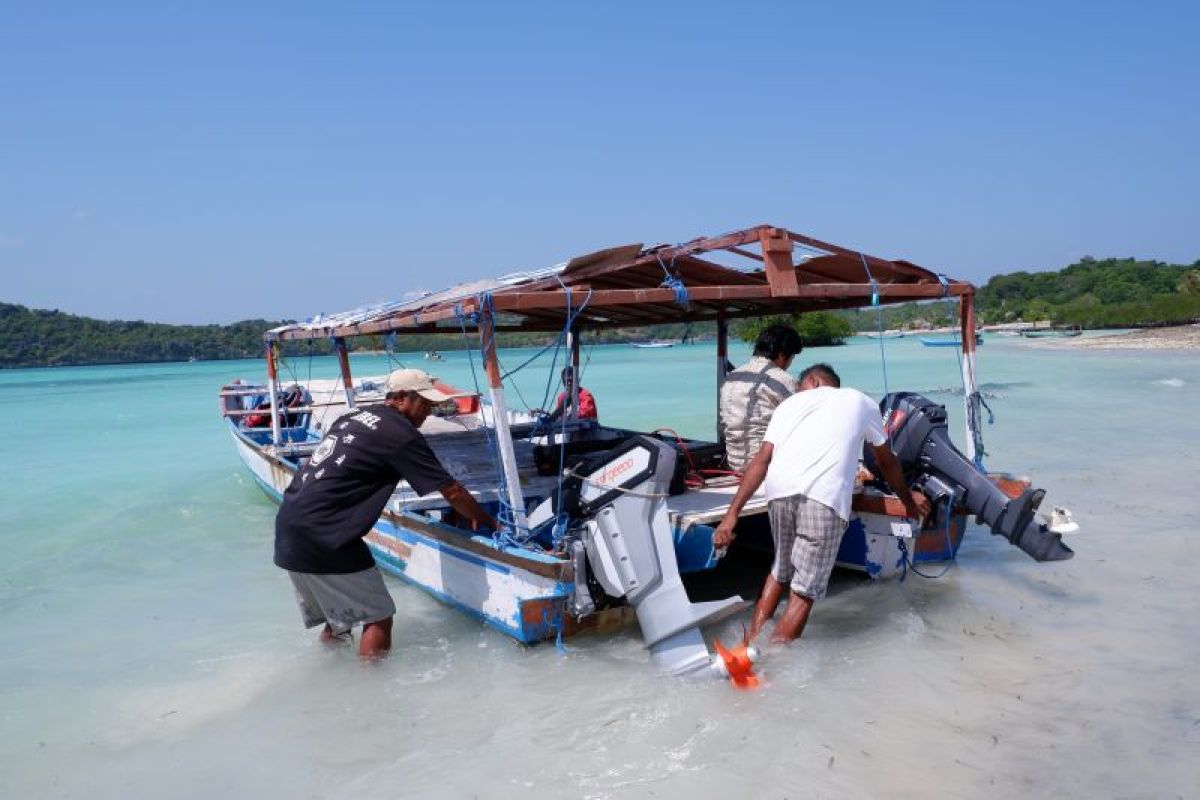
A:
{"x":947,"y":341}
{"x":1054,"y":332}
{"x":613,"y":536}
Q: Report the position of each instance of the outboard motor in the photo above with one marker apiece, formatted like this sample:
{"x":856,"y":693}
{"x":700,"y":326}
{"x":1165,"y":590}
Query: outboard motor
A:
{"x":916,"y":429}
{"x":621,"y":496}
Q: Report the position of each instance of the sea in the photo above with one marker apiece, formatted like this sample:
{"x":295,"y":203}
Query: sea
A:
{"x":150,"y":649}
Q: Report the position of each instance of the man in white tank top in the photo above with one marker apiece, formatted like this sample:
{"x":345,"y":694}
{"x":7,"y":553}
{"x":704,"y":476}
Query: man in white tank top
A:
{"x":808,"y":461}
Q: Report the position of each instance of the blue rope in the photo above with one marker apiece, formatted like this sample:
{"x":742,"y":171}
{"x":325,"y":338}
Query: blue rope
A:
{"x":971,"y":398}
{"x":671,"y":281}
{"x":912,"y":564}
{"x":878,"y":320}
{"x":507,"y":515}
{"x":504,"y":515}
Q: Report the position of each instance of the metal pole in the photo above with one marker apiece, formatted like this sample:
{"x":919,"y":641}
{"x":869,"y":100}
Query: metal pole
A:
{"x":722,"y":359}
{"x":273,"y":388}
{"x":508,"y":456}
{"x":573,"y":343}
{"x":344,"y":365}
{"x":966,"y":310}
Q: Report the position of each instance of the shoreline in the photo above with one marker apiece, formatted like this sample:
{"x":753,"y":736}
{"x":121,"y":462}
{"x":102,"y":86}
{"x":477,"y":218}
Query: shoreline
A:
{"x":1176,"y":337}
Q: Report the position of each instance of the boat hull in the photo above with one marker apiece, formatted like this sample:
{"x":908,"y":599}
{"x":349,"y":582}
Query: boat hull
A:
{"x":523,"y":598}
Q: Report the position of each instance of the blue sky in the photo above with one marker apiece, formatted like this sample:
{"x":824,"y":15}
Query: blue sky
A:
{"x":206,"y":162}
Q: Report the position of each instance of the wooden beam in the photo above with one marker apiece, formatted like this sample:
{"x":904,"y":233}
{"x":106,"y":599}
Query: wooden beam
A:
{"x":777,"y":262}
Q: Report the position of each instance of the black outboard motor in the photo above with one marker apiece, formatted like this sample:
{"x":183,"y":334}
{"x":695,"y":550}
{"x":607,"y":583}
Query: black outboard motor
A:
{"x":916,"y":429}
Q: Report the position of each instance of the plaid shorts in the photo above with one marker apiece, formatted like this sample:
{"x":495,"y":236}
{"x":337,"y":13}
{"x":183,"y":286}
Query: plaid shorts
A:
{"x":807,"y":535}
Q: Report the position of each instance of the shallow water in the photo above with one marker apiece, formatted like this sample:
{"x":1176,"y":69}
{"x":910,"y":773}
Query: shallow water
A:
{"x":152,"y":650}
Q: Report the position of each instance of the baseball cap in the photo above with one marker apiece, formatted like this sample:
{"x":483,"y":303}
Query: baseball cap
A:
{"x":419,"y":381}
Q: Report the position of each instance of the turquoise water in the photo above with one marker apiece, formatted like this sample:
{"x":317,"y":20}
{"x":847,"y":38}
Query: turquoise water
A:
{"x":152,"y":650}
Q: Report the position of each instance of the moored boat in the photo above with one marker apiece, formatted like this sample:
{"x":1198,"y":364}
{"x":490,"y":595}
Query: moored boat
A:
{"x":603,"y":525}
{"x":1053,"y":332}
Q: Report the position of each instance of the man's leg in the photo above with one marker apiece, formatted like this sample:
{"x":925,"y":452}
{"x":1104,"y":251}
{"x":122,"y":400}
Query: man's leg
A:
{"x":768,"y":601}
{"x":781,"y":513}
{"x":795,"y":616}
{"x":376,"y":639}
{"x":813,"y":554}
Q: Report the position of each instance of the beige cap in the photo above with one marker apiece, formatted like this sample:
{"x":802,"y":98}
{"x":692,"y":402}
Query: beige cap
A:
{"x":419,"y":381}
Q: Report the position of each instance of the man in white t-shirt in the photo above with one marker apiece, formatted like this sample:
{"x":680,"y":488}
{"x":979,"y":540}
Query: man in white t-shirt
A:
{"x":808,"y":459}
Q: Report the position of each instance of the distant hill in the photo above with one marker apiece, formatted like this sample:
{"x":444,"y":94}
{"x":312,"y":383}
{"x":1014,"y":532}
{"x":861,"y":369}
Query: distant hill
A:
{"x":1112,"y":292}
{"x":1093,"y":293}
{"x":40,"y":338}
{"x":33,"y":337}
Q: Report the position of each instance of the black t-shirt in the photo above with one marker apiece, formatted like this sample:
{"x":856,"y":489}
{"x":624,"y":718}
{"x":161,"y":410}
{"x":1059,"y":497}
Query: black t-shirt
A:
{"x":335,"y":499}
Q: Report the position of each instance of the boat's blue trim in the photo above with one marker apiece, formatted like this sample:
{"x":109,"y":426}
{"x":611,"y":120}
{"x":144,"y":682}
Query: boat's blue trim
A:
{"x":694,"y":549}
{"x":267,"y":488}
{"x":512,"y":627}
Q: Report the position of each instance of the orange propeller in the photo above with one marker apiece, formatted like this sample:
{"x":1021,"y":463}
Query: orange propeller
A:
{"x":738,"y":664}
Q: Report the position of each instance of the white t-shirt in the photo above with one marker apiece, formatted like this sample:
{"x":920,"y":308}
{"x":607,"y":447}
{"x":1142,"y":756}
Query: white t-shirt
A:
{"x":818,"y":438}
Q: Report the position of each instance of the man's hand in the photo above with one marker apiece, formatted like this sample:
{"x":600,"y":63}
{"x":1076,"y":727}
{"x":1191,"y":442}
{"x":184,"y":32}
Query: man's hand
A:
{"x":918,"y":508}
{"x":723,"y":536}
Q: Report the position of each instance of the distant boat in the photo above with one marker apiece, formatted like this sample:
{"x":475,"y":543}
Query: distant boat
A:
{"x":1052,"y":332}
{"x":433,"y":355}
{"x":885,"y":335}
{"x":955,"y":342}
{"x":654,"y":344}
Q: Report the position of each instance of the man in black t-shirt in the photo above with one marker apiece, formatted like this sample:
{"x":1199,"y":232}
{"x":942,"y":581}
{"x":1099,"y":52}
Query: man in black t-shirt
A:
{"x":335,"y":499}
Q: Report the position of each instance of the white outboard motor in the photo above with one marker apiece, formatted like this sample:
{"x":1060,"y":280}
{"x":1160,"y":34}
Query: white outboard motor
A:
{"x":622,"y":496}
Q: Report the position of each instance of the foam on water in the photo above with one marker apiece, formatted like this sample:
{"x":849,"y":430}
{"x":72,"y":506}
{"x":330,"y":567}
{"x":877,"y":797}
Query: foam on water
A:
{"x":153,"y":650}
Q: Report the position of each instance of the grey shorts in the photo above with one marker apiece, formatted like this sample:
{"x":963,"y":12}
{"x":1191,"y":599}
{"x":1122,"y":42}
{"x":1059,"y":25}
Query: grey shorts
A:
{"x":807,"y":535}
{"x":343,"y":601}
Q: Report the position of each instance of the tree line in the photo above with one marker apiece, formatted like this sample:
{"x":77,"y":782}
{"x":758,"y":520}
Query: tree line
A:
{"x":1092,"y":293}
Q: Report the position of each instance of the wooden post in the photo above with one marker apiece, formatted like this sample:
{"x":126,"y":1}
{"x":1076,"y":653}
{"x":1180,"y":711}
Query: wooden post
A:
{"x":344,"y":365}
{"x":273,"y":388}
{"x":777,"y":262}
{"x":966,"y":311}
{"x":573,"y":344}
{"x":722,"y":360}
{"x":508,"y":456}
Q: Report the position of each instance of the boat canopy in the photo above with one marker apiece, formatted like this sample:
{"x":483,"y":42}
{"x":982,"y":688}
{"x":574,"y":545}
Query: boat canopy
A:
{"x":752,"y":272}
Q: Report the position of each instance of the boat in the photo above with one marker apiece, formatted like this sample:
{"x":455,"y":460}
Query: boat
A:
{"x":947,"y":341}
{"x":433,"y":355}
{"x":655,"y":344}
{"x":605,"y":527}
{"x":1053,"y":332}
{"x":885,"y":335}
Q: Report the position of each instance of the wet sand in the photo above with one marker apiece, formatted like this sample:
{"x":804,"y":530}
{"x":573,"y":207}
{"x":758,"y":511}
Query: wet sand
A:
{"x":1180,"y":337}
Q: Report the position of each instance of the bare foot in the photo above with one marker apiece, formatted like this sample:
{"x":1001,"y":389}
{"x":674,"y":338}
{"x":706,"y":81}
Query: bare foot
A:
{"x":335,"y":639}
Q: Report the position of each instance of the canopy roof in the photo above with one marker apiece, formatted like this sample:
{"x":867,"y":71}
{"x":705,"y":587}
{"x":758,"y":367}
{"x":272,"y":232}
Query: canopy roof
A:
{"x":752,"y":272}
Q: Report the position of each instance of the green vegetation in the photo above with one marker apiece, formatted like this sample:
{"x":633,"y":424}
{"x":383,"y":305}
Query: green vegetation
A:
{"x":816,"y":328}
{"x":1113,"y":292}
{"x":36,"y":338}
{"x":1108,"y":293}
{"x":1091,"y":293}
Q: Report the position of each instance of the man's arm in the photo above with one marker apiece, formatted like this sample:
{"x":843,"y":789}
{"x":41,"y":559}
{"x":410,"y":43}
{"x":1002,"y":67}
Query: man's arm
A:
{"x":752,"y":478}
{"x":917,"y":506}
{"x":465,"y":504}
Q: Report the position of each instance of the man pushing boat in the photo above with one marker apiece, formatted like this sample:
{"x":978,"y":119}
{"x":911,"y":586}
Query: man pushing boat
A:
{"x":335,"y":499}
{"x":808,"y":460}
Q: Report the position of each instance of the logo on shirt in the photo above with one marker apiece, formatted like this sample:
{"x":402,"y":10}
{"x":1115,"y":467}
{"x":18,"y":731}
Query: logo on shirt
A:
{"x":367,"y":418}
{"x":324,"y":449}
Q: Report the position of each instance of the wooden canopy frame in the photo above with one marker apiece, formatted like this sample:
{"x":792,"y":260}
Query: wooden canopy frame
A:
{"x":757,"y":271}
{"x":770,"y":270}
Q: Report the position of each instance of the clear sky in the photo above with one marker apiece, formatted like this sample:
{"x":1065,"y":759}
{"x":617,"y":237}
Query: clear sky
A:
{"x":207,"y":162}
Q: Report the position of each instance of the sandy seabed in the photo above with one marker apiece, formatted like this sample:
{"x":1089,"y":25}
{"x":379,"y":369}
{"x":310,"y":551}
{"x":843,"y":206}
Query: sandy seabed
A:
{"x":1179,"y":337}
